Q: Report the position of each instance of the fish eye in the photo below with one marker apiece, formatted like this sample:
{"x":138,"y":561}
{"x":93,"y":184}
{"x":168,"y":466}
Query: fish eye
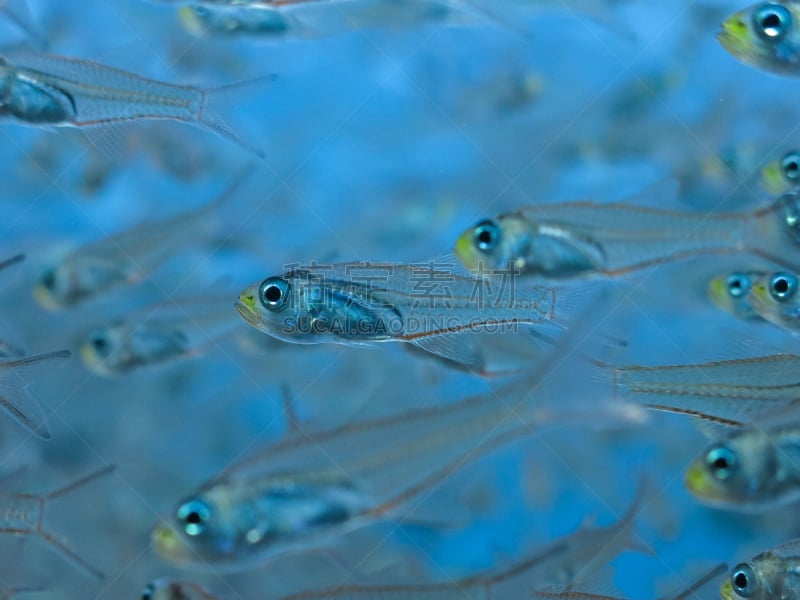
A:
{"x":486,"y":235}
{"x":194,"y":515}
{"x":772,"y":21}
{"x":790,"y":166}
{"x":49,"y":279}
{"x":738,"y":284}
{"x":782,"y":286}
{"x":149,"y":592}
{"x":100,"y":343}
{"x":743,"y":580}
{"x":273,"y":293}
{"x":722,"y":462}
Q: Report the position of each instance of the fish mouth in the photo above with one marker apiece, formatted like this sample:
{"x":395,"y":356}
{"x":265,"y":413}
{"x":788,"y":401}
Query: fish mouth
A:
{"x":735,"y":36}
{"x":465,"y":251}
{"x":696,"y":480}
{"x":168,"y":544}
{"x":247,"y":313}
{"x":726,"y":591}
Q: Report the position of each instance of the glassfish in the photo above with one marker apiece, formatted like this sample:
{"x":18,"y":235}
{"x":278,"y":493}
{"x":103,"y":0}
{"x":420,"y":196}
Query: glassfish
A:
{"x":422,"y":304}
{"x":46,"y":89}
{"x":582,"y":238}
{"x":782,"y":175}
{"x":730,"y":293}
{"x":774,"y":297}
{"x":774,"y":574}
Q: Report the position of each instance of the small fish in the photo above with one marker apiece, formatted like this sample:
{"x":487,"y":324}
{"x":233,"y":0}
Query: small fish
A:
{"x":23,"y":514}
{"x":125,"y":258}
{"x":16,"y":397}
{"x":730,"y":293}
{"x":774,"y":297}
{"x":766,"y":36}
{"x":306,"y":490}
{"x":171,"y":589}
{"x":771,"y":575}
{"x":247,"y":19}
{"x":752,"y":468}
{"x":365,"y":303}
{"x":729,"y":391}
{"x":45,"y":89}
{"x":164,"y":332}
{"x":782,"y":175}
{"x":583,"y":238}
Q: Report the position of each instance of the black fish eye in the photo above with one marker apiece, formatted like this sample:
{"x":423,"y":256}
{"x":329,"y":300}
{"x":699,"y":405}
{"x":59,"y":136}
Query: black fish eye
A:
{"x":273,"y":293}
{"x":149,"y":592}
{"x":738,"y":284}
{"x":790,"y":166}
{"x":486,"y":235}
{"x":782,"y":286}
{"x":49,"y":279}
{"x":721,"y":461}
{"x":772,"y":21}
{"x":194,"y":515}
{"x":743,"y":580}
{"x":100,"y":343}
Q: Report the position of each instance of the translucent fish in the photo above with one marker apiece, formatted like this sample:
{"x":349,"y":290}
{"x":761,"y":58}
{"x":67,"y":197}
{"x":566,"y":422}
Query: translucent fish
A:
{"x":730,"y":391}
{"x":423,"y":304}
{"x":730,"y":293}
{"x":24,"y":514}
{"x":168,"y":331}
{"x":125,"y":258}
{"x":44,"y":89}
{"x":771,"y":574}
{"x":774,"y":298}
{"x":753,"y":468}
{"x":782,"y":175}
{"x":305,"y":491}
{"x":234,"y":20}
{"x":766,"y":36}
{"x":16,"y":397}
{"x":165,"y":588}
{"x":583,"y":238}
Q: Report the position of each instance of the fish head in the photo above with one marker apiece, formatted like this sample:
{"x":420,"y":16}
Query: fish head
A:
{"x":759,"y":579}
{"x":53,"y":290}
{"x":765,"y":35}
{"x":165,"y":588}
{"x":493,"y":244}
{"x":729,"y":292}
{"x":735,"y":472}
{"x":103,"y":351}
{"x":782,"y":175}
{"x":775,"y":298}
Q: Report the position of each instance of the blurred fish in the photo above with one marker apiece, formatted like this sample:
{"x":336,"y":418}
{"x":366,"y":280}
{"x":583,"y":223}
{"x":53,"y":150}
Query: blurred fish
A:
{"x":23,"y":514}
{"x":16,"y":397}
{"x":730,"y":293}
{"x":765,"y":35}
{"x":770,"y":575}
{"x":125,"y":258}
{"x":234,"y":19}
{"x":581,"y":238}
{"x":167,"y":331}
{"x":303,"y":492}
{"x":19,"y":13}
{"x":753,"y":468}
{"x":782,"y":175}
{"x":8,"y":349}
{"x":44,"y":89}
{"x":171,"y":589}
{"x":729,"y":391}
{"x":426,"y":305}
{"x":774,"y":297}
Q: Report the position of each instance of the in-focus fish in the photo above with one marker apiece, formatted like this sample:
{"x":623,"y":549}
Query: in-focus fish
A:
{"x":765,"y":35}
{"x":125,"y":258}
{"x":730,"y":293}
{"x":774,"y":297}
{"x":752,"y":468}
{"x":582,"y":238}
{"x":782,"y":175}
{"x":770,"y":575}
{"x":24,"y":514}
{"x":729,"y":391}
{"x":306,"y":490}
{"x":45,"y":89}
{"x":170,"y":330}
{"x":426,"y":305}
{"x":16,"y":396}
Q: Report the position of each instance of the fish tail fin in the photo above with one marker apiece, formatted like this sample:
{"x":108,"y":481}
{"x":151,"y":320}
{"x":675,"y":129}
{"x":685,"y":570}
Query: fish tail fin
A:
{"x":16,"y":396}
{"x":57,"y":543}
{"x":773,"y":232}
{"x":208,"y":117}
{"x":645,"y":494}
